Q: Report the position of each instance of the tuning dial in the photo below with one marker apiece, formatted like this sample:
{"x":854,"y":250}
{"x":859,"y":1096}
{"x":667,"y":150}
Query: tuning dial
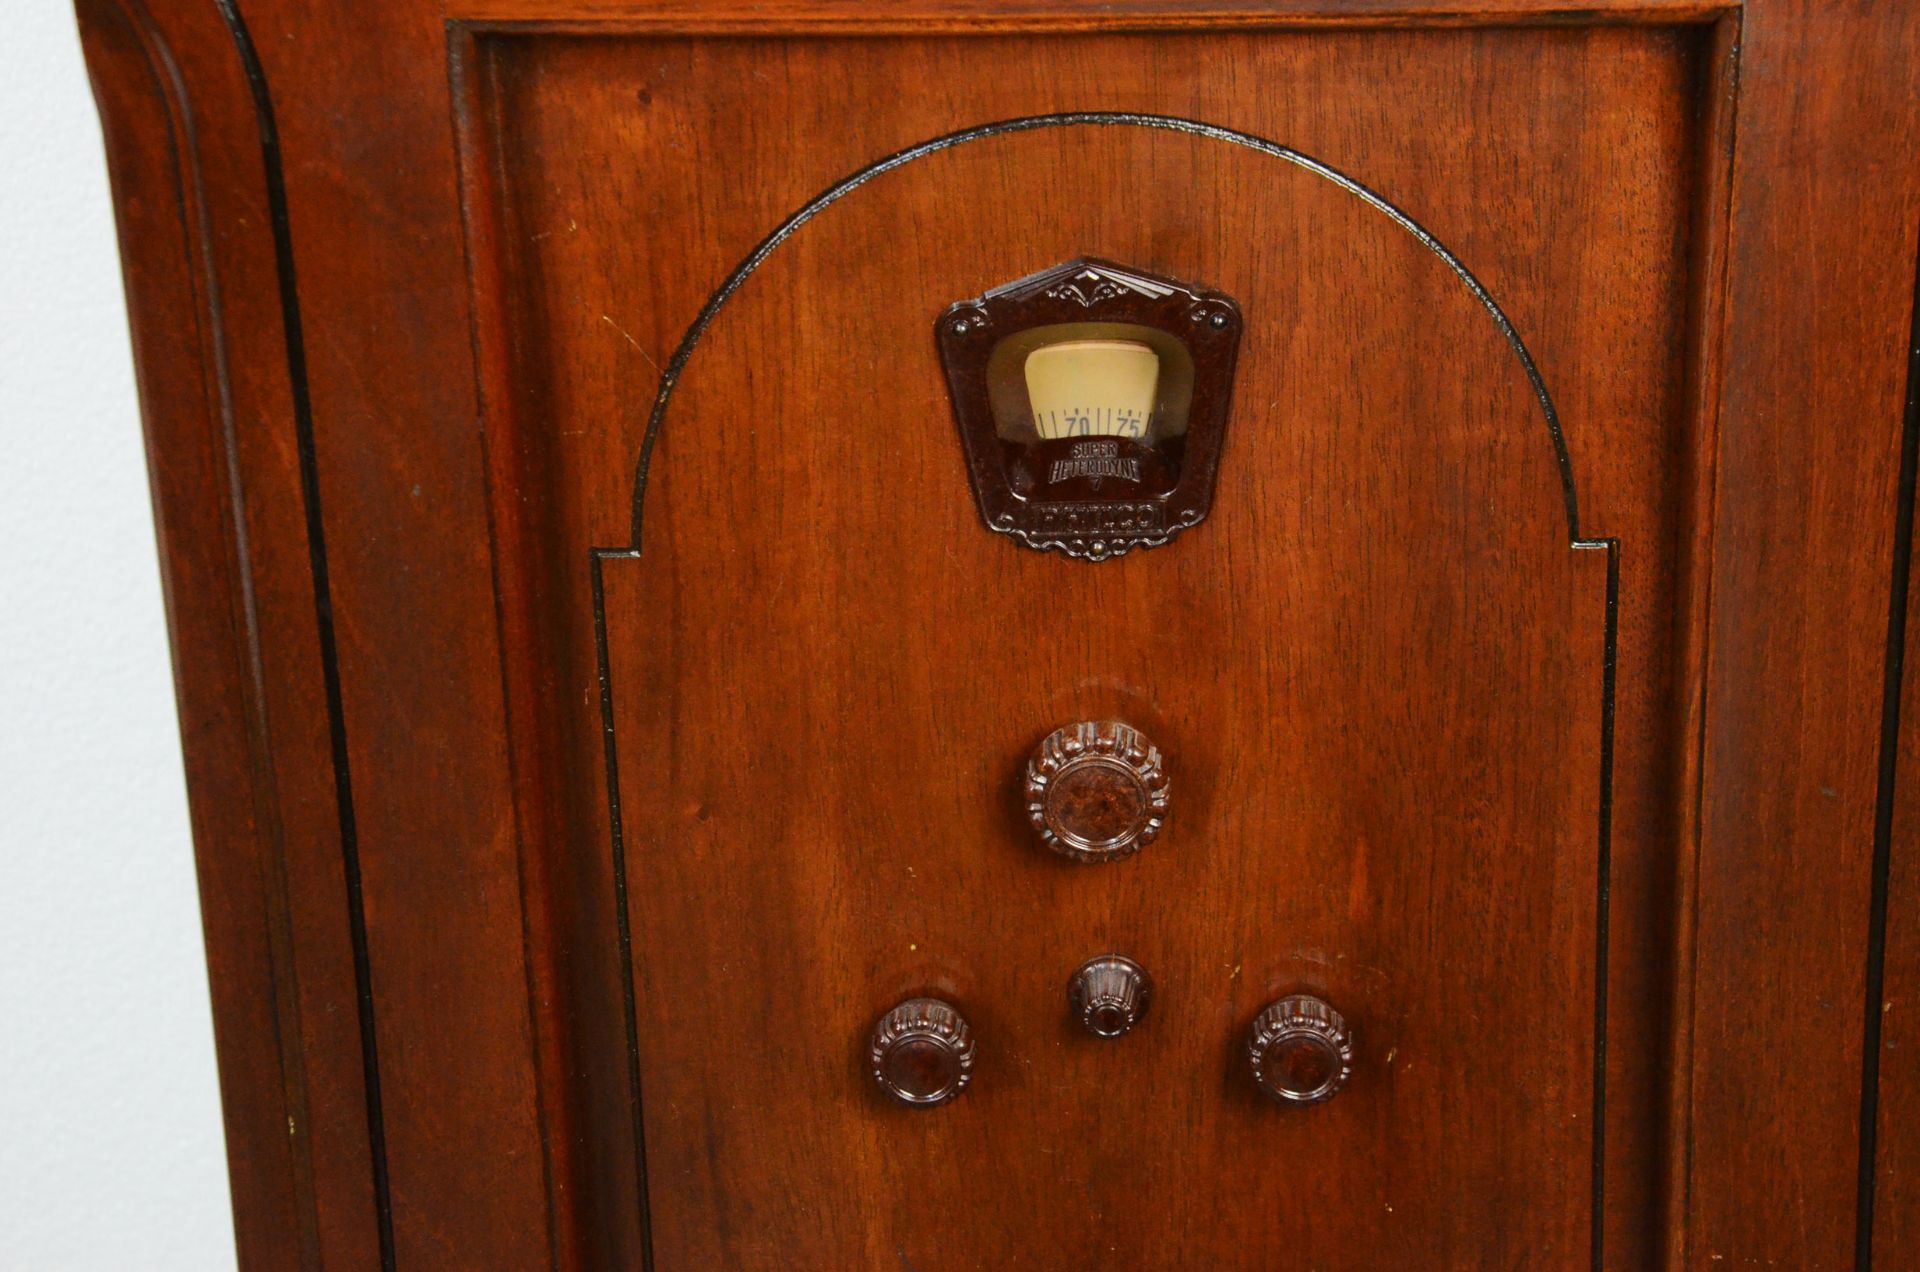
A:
{"x":1096,"y":791}
{"x":921,"y":1052}
{"x":1109,"y":994}
{"x":1300,"y":1050}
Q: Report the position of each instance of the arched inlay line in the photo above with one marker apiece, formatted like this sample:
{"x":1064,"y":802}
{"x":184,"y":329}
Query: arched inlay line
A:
{"x":1167,"y":123}
{"x":1092,"y":118}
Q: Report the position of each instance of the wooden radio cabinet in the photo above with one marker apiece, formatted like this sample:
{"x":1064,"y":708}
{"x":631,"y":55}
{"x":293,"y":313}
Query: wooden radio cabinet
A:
{"x":1172,"y":634}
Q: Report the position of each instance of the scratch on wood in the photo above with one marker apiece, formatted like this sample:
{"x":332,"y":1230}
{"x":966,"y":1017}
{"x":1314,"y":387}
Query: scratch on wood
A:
{"x":606,"y":318}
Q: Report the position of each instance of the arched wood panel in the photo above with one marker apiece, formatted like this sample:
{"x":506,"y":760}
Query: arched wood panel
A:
{"x":1378,"y":673}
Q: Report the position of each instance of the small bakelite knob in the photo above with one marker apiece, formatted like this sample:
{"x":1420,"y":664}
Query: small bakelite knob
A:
{"x":1096,"y":791}
{"x":1109,"y":994}
{"x":921,"y":1052}
{"x":1300,"y":1050}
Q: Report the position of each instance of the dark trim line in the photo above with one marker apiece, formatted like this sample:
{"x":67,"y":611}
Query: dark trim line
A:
{"x":323,"y":607}
{"x":1092,"y":118}
{"x":1603,"y":928}
{"x":623,"y":919}
{"x":1893,"y":678}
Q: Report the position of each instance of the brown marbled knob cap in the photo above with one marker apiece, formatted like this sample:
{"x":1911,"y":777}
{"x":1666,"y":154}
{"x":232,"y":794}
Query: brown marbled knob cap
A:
{"x":1300,"y":1050}
{"x":1096,"y":791}
{"x":1109,"y":995}
{"x":921,"y":1052}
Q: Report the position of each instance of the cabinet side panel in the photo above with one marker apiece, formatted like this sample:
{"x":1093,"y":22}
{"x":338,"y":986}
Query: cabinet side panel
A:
{"x":185,"y":155}
{"x":363,"y":102}
{"x":1824,"y":188}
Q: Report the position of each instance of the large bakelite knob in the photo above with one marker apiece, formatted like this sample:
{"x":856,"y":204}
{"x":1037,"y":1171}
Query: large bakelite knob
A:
{"x":922,"y":1052}
{"x":1108,"y":995}
{"x":1300,"y":1050}
{"x":1096,"y":791}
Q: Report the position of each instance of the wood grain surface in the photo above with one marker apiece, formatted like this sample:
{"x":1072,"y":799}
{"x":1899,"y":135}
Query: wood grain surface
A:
{"x":205,"y":310}
{"x":843,"y":338}
{"x":396,"y":373}
{"x":1819,"y":313}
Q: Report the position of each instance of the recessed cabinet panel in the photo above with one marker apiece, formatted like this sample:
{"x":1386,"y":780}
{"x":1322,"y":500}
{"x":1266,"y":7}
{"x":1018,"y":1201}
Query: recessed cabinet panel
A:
{"x":801,"y":681}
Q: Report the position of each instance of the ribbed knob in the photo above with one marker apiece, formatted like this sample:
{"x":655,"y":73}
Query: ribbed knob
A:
{"x":1096,"y":791}
{"x":921,"y":1052}
{"x":1300,"y":1050}
{"x":1109,"y":994}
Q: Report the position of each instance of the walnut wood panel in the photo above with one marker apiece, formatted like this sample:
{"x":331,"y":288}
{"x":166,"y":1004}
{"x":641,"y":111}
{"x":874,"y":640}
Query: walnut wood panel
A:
{"x":395,"y":375}
{"x":451,"y":918}
{"x":554,"y":94}
{"x":835,"y":887}
{"x":184,"y":151}
{"x":1808,"y":460}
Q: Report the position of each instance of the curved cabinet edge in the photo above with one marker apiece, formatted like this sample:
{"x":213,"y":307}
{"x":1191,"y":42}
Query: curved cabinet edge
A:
{"x":204,"y":312}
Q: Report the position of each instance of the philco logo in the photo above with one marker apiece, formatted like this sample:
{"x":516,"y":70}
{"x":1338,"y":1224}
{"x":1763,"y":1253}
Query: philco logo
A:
{"x":1116,"y":518}
{"x":1094,"y":461}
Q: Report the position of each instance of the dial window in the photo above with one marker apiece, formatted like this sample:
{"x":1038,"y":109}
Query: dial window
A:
{"x":1090,"y":379}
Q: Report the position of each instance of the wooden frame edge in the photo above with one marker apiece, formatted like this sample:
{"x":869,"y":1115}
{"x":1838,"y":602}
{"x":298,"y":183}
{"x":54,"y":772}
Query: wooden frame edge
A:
{"x":187,"y":167}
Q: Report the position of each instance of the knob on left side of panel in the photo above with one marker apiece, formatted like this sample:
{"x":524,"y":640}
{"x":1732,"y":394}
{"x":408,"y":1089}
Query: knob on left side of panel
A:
{"x":921,"y":1053}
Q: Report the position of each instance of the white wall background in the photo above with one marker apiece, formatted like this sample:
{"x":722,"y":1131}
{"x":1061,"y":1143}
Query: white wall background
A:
{"x":110,"y":1143}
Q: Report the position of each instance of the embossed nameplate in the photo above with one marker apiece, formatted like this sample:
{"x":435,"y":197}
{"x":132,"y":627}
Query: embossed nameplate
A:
{"x":1091,"y":400}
